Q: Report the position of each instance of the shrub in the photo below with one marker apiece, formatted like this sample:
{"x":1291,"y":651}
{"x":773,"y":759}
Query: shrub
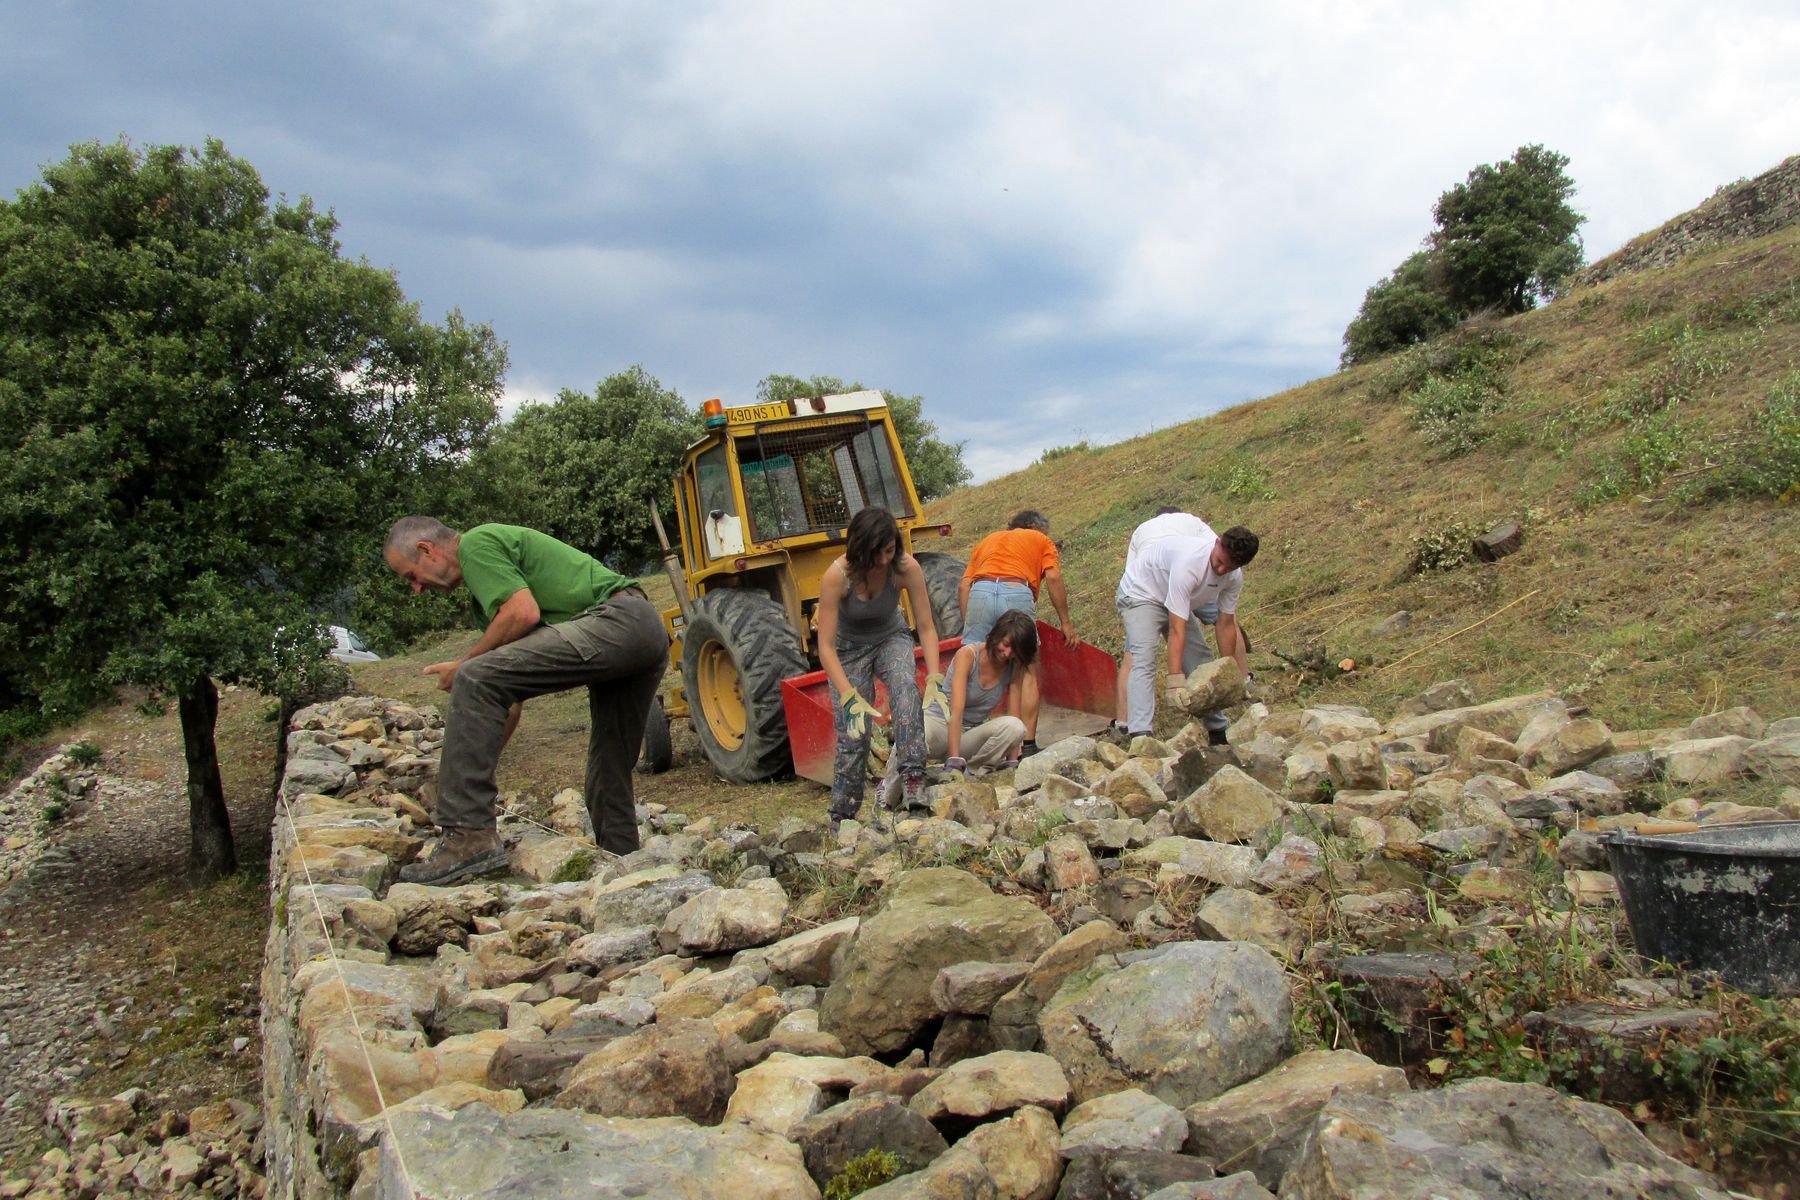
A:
{"x":83,"y":754}
{"x":1240,"y":478}
{"x":1056,"y":452}
{"x":1451,"y":414}
{"x":53,"y":812}
{"x":1442,"y":548}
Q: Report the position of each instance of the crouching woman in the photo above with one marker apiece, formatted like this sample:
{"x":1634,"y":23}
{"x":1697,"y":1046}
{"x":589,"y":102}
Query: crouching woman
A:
{"x":988,"y":681}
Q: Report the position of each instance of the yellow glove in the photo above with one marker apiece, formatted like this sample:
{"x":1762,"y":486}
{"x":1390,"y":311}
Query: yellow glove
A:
{"x":937,"y":703}
{"x":857,"y":714}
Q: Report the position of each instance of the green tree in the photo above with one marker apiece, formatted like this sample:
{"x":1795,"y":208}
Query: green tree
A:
{"x":936,"y":465}
{"x":583,"y":467}
{"x":1403,"y":308}
{"x":1506,"y":237}
{"x":203,"y":410}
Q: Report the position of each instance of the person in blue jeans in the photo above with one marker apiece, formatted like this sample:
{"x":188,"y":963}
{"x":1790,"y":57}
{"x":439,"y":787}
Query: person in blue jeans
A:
{"x":863,"y":637}
{"x":1006,"y":569}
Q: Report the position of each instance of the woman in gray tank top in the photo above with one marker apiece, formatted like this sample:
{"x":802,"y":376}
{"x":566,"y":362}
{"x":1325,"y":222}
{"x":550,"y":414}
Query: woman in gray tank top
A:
{"x":863,"y":638}
{"x":987,"y":683}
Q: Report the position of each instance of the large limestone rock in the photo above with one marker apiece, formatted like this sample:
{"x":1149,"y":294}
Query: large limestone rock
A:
{"x":1129,"y":1120}
{"x":1483,"y":1138}
{"x":1240,"y":915}
{"x":974,"y":987}
{"x":1184,"y":1021}
{"x":1569,"y":748}
{"x":931,"y":919}
{"x":785,"y":1089}
{"x":1506,"y":718}
{"x":1229,"y":807}
{"x":1776,"y":759}
{"x":1032,"y":772}
{"x":1357,"y":765}
{"x":553,"y":1155}
{"x":805,"y":958}
{"x":1217,"y":685}
{"x":993,"y":1083}
{"x":1702,"y":760}
{"x":644,"y":897}
{"x":1020,"y":1154}
{"x":1258,"y":1126}
{"x":1217,"y":863}
{"x":830,"y":1139}
{"x":666,"y":1070}
{"x":1013,"y":1019}
{"x":726,"y":919}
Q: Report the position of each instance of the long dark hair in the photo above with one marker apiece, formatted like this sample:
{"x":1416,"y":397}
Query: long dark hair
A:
{"x":871,"y":531}
{"x":1021,"y":631}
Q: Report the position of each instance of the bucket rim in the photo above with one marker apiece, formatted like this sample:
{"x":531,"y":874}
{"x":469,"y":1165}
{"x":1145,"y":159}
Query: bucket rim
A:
{"x":1687,"y":843}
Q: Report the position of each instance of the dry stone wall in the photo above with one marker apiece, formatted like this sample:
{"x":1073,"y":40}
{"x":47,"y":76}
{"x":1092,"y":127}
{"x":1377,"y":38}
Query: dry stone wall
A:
{"x":1750,"y":208}
{"x":1058,"y":1022}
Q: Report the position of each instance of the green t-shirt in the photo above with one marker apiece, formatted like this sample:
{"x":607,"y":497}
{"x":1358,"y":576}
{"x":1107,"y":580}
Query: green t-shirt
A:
{"x":498,"y":560}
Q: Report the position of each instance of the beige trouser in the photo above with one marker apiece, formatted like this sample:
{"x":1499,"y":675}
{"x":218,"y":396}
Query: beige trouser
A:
{"x":989,"y":744}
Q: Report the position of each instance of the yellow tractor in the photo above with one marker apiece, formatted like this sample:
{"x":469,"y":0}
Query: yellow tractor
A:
{"x":762,"y":502}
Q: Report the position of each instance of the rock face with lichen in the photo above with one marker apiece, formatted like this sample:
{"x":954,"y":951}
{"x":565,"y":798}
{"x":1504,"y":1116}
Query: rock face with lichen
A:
{"x":1084,"y":995}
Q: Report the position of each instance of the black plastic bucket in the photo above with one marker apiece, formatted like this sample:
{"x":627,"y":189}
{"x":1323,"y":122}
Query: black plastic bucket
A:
{"x":1725,"y":899}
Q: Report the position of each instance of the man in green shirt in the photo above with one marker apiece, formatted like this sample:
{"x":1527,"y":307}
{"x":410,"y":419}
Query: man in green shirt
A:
{"x":554,"y":618}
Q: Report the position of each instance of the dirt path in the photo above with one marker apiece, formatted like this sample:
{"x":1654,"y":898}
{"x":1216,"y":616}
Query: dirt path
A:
{"x":114,"y":973}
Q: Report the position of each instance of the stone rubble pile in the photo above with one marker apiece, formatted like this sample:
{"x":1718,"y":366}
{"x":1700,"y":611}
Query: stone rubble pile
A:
{"x":59,"y":793}
{"x":1046,"y":1014}
{"x":133,"y":1144}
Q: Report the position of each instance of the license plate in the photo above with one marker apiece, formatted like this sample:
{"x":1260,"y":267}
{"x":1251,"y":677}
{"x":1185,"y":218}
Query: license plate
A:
{"x":750,"y":414}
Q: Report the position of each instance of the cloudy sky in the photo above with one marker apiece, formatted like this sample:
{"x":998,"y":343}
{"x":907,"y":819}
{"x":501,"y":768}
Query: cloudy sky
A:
{"x":1054,"y":221}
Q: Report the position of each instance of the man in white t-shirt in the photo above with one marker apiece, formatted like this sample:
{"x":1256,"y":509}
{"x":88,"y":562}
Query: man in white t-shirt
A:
{"x":1176,"y":571}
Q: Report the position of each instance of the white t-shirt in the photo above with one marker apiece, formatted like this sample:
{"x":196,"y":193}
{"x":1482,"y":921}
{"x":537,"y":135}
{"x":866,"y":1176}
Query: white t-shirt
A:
{"x":1176,"y":572}
{"x":1175,"y":524}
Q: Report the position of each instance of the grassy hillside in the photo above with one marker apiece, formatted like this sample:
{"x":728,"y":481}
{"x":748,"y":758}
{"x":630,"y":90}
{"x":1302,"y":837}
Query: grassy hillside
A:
{"x":1642,"y":432}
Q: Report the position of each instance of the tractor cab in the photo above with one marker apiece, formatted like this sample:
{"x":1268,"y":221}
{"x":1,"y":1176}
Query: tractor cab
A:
{"x":762,"y":503}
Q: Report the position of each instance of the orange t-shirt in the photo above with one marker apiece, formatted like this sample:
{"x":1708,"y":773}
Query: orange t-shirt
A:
{"x":1013,"y":554}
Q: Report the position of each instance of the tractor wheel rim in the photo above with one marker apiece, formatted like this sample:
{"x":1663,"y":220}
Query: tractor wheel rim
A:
{"x":722,"y":696}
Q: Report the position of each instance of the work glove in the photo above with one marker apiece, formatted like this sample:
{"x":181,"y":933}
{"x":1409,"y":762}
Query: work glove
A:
{"x":937,"y":703}
{"x":857,"y":714}
{"x":1174,"y":683}
{"x":956,"y":765}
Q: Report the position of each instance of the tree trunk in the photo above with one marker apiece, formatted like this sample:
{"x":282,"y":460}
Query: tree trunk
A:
{"x":211,"y":854}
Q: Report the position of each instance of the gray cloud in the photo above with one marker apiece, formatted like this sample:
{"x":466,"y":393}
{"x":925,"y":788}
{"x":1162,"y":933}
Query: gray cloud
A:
{"x":1039,"y":216}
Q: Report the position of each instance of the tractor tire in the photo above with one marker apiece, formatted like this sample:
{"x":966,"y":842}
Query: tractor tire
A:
{"x":659,"y":750}
{"x":735,"y":651}
{"x":943,"y":580}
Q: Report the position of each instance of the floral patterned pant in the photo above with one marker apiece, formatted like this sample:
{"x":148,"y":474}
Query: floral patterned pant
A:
{"x":891,"y":661}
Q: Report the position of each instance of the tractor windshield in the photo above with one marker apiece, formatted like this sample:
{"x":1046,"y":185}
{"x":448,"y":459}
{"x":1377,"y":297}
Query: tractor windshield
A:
{"x":813,"y":478}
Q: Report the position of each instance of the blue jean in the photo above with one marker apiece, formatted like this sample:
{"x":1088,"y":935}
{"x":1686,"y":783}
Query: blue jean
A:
{"x":988,"y":598}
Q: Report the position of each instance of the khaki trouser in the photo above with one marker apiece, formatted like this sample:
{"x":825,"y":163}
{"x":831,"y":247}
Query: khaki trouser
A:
{"x":619,"y":651}
{"x":989,"y":744}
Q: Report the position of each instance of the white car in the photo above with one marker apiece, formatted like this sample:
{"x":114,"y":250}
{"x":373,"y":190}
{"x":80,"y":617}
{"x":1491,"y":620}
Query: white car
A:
{"x":346,"y":647}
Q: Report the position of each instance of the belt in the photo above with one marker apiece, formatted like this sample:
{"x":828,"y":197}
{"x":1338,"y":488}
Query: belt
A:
{"x":1002,"y":579}
{"x":633,"y":590}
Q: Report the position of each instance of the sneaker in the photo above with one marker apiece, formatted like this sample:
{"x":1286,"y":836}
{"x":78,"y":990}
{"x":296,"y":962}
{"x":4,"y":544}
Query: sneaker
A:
{"x":1029,"y":748}
{"x":461,"y":854}
{"x":913,"y":790}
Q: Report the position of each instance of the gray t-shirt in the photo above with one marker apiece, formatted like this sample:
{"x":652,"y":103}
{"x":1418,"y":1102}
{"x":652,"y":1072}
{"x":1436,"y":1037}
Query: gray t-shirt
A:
{"x":979,"y":701}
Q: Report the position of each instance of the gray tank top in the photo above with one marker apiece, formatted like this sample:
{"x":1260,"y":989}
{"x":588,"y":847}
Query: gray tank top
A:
{"x":872,"y":621}
{"x":978,"y":701}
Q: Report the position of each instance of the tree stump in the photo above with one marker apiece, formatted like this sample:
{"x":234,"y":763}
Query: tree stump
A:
{"x":1497,"y":542}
